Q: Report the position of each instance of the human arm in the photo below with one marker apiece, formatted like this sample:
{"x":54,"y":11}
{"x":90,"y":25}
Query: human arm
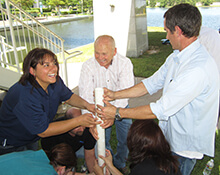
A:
{"x":109,"y":163}
{"x":141,"y":112}
{"x":134,"y":91}
{"x":90,"y":158}
{"x":77,"y":101}
{"x":60,"y":127}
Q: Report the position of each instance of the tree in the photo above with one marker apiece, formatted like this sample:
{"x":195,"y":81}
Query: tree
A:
{"x":207,"y":2}
{"x":171,"y":2}
{"x":163,"y":3}
{"x":24,"y":4}
{"x":88,"y":4}
{"x":78,"y":4}
{"x":56,"y":4}
{"x":153,"y":3}
{"x":192,"y":2}
{"x":68,"y":3}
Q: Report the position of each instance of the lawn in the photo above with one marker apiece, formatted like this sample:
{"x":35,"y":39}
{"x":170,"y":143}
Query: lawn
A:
{"x":146,"y":65}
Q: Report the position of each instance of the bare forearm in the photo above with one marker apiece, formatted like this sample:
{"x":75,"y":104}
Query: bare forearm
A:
{"x":77,"y":101}
{"x":141,"y":112}
{"x":56,"y":128}
{"x":90,"y":159}
{"x":113,"y":170}
{"x":134,"y":91}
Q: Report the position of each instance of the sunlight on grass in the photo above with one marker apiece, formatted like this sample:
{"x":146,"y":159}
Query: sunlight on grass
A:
{"x":155,"y":29}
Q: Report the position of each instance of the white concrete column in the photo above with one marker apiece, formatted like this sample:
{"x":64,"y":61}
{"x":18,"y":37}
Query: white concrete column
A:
{"x":126,"y":21}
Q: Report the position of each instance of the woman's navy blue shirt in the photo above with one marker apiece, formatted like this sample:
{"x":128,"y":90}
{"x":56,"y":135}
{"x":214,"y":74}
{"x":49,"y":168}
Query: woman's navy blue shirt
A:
{"x":27,"y":111}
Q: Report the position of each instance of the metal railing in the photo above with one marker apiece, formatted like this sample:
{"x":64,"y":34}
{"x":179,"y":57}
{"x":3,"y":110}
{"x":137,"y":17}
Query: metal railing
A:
{"x":20,"y":33}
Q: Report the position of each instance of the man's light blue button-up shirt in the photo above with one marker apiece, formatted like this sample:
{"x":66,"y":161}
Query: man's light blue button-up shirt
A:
{"x":188,"y":109}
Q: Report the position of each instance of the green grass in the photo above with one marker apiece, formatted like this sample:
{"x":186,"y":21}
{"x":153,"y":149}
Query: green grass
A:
{"x":145,"y":66}
{"x":151,"y":60}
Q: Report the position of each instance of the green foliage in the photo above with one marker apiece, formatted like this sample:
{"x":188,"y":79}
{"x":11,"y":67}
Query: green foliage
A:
{"x":64,"y":13}
{"x":74,"y":11}
{"x":47,"y":13}
{"x":88,"y":4}
{"x":4,"y":16}
{"x":171,"y":2}
{"x":55,"y":3}
{"x":153,"y":3}
{"x":147,"y":3}
{"x":163,"y":3}
{"x":33,"y":10}
{"x":47,"y":9}
{"x":207,"y":2}
{"x":167,"y":3}
{"x":24,"y":4}
{"x":67,"y":3}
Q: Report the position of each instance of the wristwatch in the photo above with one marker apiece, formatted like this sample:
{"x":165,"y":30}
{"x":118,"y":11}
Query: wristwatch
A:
{"x":117,"y":115}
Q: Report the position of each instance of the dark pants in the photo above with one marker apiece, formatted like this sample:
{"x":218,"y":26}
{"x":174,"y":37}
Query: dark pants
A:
{"x":8,"y":149}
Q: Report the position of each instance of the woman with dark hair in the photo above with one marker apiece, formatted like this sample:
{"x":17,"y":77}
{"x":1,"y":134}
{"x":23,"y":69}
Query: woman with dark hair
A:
{"x":60,"y":160}
{"x":149,"y":151}
{"x":63,"y":159}
{"x":28,"y":109}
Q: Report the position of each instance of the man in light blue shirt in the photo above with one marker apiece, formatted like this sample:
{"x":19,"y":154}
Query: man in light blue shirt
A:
{"x":188,"y":109}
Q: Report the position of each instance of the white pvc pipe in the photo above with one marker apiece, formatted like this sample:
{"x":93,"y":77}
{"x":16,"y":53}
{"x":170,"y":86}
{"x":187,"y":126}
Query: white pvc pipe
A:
{"x":101,"y":132}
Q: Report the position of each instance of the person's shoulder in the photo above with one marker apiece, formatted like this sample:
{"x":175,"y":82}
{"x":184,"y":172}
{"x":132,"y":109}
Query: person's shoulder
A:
{"x":16,"y":87}
{"x":207,"y":30}
{"x":89,"y":64}
{"x":21,"y":90}
{"x":147,"y":166}
{"x":122,"y":59}
{"x":89,"y":61}
{"x":208,"y":34}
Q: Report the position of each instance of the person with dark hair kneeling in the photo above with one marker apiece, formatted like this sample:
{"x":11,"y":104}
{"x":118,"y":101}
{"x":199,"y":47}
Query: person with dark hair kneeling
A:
{"x":149,"y":152}
{"x":63,"y":159}
{"x":60,"y":160}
